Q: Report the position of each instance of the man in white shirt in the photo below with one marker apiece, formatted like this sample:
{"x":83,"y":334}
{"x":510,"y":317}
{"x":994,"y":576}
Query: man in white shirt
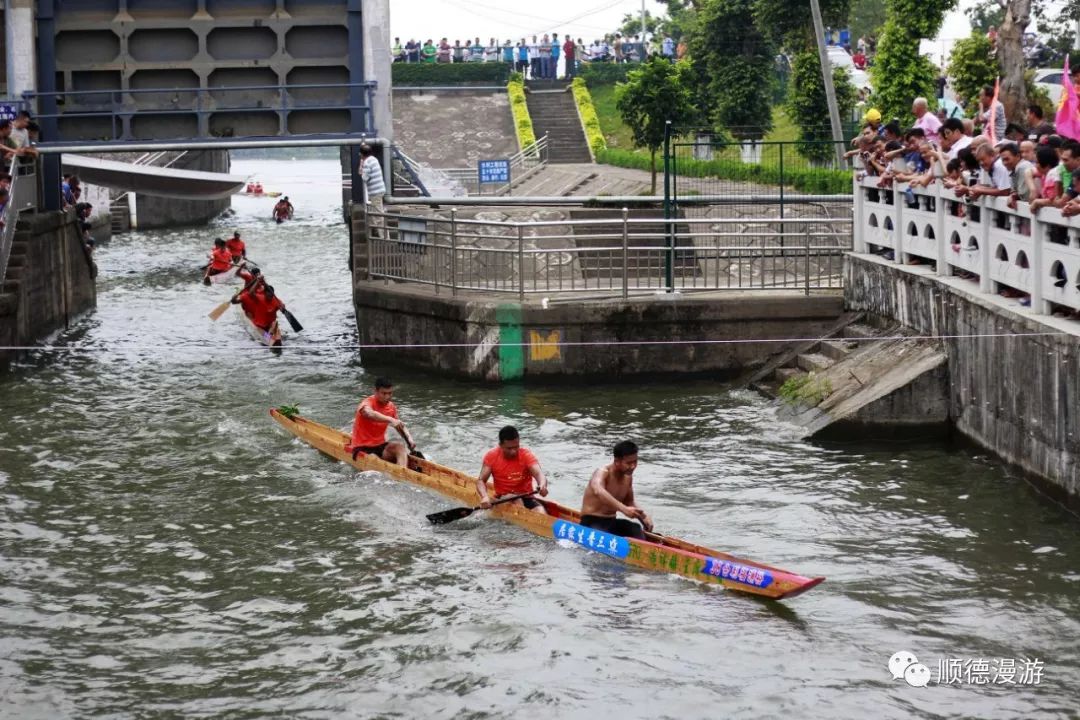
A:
{"x":994,"y":179}
{"x":953,"y":139}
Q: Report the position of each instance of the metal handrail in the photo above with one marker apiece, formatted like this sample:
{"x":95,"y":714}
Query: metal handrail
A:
{"x":623,"y":254}
{"x":530,"y":158}
{"x":21,"y":197}
{"x":118,"y":103}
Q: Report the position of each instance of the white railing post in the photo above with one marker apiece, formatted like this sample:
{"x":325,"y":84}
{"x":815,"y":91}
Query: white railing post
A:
{"x":898,"y":225}
{"x":940,"y":234}
{"x":1039,"y":273}
{"x":986,"y":284}
{"x":859,"y":236}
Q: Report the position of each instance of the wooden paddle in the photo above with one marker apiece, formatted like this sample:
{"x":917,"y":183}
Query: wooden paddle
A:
{"x":220,"y":309}
{"x":449,"y":516}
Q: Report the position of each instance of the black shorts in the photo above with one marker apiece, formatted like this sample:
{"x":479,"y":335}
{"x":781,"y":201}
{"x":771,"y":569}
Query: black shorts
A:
{"x":615,"y":526}
{"x":376,"y":450}
{"x":528,"y":502}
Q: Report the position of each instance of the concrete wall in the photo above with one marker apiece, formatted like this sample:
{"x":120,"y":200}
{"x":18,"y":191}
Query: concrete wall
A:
{"x":179,"y":46}
{"x":454,"y":129}
{"x":158,"y":212}
{"x":50,"y":282}
{"x":1019,"y":397}
{"x":507,"y":340}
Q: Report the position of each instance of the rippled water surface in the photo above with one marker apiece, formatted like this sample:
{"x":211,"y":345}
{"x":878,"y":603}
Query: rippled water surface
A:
{"x":167,"y":551}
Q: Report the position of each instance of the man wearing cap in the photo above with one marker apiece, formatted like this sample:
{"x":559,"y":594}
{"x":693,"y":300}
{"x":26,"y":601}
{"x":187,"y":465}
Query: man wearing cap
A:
{"x":873,"y":121}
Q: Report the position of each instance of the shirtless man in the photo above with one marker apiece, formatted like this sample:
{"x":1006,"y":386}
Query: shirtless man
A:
{"x":610,"y":491}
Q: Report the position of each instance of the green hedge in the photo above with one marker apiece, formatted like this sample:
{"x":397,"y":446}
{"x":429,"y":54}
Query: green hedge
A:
{"x":812,"y":181}
{"x":496,"y":73}
{"x":604,"y":73}
{"x":519,"y":107}
{"x":589,"y":119}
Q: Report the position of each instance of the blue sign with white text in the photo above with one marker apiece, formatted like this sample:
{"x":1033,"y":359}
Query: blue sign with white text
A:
{"x":595,"y":540}
{"x":746,"y":574}
{"x":8,"y":111}
{"x":494,"y":171}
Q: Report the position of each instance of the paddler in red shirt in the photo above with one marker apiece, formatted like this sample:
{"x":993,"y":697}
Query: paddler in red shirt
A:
{"x":236,"y":247}
{"x":261,"y":304}
{"x":369,"y":427}
{"x":220,"y":261}
{"x":513,"y":469}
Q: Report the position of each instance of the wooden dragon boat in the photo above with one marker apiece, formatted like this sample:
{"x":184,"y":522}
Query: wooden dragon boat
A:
{"x":658,"y":552}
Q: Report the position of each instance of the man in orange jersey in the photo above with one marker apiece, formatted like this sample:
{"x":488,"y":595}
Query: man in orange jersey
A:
{"x":220,"y":261}
{"x":236,"y":247}
{"x":369,"y":427}
{"x":513,"y":469}
{"x":611,"y":491}
{"x":261,"y":304}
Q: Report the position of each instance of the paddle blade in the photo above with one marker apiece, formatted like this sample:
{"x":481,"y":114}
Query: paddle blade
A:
{"x":296,"y":326}
{"x":449,"y":516}
{"x":220,"y":310}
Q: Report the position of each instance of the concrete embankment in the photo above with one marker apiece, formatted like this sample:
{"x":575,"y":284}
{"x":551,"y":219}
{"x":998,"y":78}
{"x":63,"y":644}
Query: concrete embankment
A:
{"x":454,"y":128}
{"x":493,"y":338}
{"x":50,"y":280}
{"x":1013,"y":381}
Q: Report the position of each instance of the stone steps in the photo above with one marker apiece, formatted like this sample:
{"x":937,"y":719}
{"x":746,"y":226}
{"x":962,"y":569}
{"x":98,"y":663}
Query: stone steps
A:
{"x":554,"y":114}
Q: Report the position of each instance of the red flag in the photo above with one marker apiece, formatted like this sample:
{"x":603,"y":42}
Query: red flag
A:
{"x":1067,"y":122}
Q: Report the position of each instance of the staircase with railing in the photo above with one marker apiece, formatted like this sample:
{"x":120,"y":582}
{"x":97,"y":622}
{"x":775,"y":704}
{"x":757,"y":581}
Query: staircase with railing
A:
{"x":462,"y":181}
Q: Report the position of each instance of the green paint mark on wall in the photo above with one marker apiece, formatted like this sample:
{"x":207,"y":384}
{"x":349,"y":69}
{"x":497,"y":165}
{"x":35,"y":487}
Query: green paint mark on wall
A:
{"x":511,"y":347}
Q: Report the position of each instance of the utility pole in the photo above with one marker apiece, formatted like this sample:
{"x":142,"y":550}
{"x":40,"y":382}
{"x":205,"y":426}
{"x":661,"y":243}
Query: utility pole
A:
{"x":643,"y":29}
{"x":826,"y":76}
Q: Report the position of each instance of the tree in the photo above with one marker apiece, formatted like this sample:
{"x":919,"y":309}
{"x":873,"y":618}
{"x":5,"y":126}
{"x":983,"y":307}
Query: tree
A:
{"x":984,"y":15}
{"x":900,"y":73}
{"x":732,"y":65}
{"x":1010,"y":52}
{"x":631,"y":24}
{"x":654,"y":94}
{"x":971,"y":66}
{"x":808,"y":109}
{"x":866,"y":18}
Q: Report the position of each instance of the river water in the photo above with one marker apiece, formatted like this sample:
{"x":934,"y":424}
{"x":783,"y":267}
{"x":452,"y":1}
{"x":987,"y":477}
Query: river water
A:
{"x":167,"y":551}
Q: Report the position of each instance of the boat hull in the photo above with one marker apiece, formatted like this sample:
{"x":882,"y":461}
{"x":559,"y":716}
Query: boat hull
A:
{"x":272,"y":338}
{"x":658,"y":552}
{"x":224,"y":277}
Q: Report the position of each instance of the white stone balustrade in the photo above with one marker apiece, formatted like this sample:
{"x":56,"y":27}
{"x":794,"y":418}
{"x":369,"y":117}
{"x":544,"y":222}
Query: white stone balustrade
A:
{"x":1004,"y":247}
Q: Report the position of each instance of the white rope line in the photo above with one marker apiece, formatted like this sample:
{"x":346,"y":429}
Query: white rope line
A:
{"x":471,"y":345}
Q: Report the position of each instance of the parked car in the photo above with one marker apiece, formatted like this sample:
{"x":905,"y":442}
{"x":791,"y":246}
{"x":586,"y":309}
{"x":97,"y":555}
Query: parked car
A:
{"x":1049,"y":79}
{"x":839,"y":57}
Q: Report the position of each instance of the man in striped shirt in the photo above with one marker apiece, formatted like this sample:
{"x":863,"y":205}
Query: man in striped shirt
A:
{"x":371,"y":174}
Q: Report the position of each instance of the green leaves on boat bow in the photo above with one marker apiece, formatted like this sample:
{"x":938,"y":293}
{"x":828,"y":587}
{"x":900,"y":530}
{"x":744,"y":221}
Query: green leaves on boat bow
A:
{"x":289,"y":411}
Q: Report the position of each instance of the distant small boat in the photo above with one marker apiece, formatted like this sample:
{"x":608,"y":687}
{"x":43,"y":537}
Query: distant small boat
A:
{"x":267,"y":193}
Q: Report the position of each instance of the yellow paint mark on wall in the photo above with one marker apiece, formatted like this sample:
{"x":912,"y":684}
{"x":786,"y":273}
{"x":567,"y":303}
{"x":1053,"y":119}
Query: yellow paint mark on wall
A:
{"x":544,"y":346}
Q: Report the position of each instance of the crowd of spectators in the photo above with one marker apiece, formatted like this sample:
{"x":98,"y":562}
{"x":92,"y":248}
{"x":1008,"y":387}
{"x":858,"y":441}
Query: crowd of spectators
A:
{"x":538,"y":58}
{"x":975,"y":157}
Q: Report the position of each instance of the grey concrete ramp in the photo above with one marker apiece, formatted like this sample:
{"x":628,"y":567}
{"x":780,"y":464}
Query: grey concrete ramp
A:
{"x":154,"y":181}
{"x":454,"y":129}
{"x":862,"y":378}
